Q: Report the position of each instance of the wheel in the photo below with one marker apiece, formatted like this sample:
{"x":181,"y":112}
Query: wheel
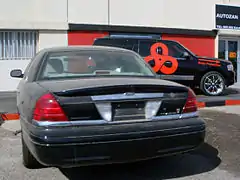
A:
{"x":212,"y":84}
{"x":28,"y":160}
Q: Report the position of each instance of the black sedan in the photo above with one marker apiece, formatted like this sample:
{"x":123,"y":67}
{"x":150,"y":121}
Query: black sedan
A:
{"x":99,"y":105}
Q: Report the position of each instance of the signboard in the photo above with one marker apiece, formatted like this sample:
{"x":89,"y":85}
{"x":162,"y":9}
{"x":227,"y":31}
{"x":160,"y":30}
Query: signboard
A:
{"x":227,"y":17}
{"x":232,"y":55}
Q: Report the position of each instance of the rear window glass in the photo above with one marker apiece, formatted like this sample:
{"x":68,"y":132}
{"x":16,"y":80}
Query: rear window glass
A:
{"x":94,"y":63}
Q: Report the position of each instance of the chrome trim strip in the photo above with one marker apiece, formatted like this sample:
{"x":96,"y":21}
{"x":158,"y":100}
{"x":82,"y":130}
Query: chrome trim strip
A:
{"x":69,"y":123}
{"x":101,"y":122}
{"x":176,"y":116}
{"x":127,"y":96}
{"x":177,"y":77}
{"x":189,"y":115}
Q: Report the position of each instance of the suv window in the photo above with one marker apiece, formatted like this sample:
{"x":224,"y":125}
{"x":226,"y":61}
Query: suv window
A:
{"x":129,"y":44}
{"x":174,"y":49}
{"x":144,"y":47}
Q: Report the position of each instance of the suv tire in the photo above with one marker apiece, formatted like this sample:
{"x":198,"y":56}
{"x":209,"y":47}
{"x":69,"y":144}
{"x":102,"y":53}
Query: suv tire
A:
{"x":213,"y":84}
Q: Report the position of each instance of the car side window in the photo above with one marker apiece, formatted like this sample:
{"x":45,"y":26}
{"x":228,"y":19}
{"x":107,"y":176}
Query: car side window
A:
{"x":144,"y":47}
{"x":115,"y":43}
{"x":174,"y":49}
{"x":129,"y":44}
{"x":26,"y":72}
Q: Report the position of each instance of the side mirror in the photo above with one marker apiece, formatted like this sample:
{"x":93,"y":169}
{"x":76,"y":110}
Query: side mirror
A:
{"x":16,"y":73}
{"x":186,"y":55}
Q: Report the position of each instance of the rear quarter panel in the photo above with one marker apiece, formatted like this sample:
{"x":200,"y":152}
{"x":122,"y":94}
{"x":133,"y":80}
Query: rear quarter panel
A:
{"x":28,"y":89}
{"x":28,"y":94}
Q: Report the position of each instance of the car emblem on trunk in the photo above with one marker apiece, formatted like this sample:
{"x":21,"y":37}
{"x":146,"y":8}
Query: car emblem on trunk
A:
{"x":178,"y":110}
{"x":129,"y":93}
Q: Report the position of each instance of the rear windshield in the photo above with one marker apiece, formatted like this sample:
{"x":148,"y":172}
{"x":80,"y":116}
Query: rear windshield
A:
{"x":84,"y":63}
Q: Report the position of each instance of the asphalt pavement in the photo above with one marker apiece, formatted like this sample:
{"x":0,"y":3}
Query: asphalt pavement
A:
{"x":8,"y":102}
{"x":217,"y":159}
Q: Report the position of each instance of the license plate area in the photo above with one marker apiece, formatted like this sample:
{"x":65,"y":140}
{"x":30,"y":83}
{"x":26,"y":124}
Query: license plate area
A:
{"x":130,"y":110}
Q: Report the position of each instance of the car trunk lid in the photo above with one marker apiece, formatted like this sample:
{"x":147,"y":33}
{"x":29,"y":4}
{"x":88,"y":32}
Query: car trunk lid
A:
{"x":119,"y":100}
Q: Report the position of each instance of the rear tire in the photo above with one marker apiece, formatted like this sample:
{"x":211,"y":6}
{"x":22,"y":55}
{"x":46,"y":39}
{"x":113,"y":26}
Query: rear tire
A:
{"x":213,"y":84}
{"x":28,"y":160}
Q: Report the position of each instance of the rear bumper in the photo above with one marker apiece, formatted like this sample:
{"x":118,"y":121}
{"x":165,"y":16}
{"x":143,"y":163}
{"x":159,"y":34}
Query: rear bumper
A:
{"x":159,"y":139}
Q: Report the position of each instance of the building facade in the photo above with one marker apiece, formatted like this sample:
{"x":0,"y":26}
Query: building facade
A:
{"x":207,"y":27}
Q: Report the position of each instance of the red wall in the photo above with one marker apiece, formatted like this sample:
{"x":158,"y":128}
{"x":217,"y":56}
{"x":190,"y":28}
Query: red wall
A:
{"x":202,"y":46}
{"x":84,"y":37}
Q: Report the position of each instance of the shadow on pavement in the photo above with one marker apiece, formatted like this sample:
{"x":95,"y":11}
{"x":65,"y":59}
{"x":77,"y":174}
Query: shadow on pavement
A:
{"x":202,"y":160}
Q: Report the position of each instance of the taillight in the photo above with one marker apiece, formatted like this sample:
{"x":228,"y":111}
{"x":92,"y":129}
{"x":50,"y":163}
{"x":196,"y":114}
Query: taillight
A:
{"x":48,"y":109}
{"x":191,"y":103}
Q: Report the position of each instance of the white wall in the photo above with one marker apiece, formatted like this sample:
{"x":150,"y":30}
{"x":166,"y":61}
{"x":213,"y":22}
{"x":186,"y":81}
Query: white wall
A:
{"x":193,"y":14}
{"x":137,"y":13}
{"x":234,"y":2}
{"x":6,"y":82}
{"x":49,"y":39}
{"x":189,"y":14}
{"x":46,"y":39}
{"x":33,"y":14}
{"x":55,"y":14}
{"x":88,"y":12}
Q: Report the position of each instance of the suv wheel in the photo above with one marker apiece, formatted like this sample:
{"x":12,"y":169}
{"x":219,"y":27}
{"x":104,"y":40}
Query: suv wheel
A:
{"x":212,"y":84}
{"x":28,"y":160}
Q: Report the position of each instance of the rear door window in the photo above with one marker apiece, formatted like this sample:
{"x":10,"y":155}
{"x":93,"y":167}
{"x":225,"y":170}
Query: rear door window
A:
{"x":174,"y":49}
{"x":145,"y":46}
{"x":107,"y":42}
{"x":129,"y":44}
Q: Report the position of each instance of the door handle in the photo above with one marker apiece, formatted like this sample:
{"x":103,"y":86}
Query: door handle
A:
{"x":168,"y":64}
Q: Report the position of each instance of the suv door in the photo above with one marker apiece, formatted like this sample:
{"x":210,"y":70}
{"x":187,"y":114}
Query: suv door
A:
{"x":144,"y":50}
{"x":169,"y":60}
{"x":187,"y":66}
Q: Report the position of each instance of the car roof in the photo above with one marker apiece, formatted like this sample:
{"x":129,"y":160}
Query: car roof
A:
{"x":84,"y":47}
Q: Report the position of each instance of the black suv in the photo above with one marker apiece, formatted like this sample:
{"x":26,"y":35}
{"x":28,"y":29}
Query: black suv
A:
{"x":172,"y":61}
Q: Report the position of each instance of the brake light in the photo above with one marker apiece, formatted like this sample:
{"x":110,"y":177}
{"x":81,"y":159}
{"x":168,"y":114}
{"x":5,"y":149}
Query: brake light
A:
{"x":191,"y":103}
{"x":48,"y":109}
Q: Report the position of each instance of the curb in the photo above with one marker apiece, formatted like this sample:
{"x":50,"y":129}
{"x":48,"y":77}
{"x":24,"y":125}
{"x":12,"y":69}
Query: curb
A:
{"x":200,"y":104}
{"x":9,"y":116}
{"x":232,"y":102}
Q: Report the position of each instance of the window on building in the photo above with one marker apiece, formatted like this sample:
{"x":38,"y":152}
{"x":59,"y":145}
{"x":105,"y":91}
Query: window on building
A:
{"x":17,"y":45}
{"x":221,"y":49}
